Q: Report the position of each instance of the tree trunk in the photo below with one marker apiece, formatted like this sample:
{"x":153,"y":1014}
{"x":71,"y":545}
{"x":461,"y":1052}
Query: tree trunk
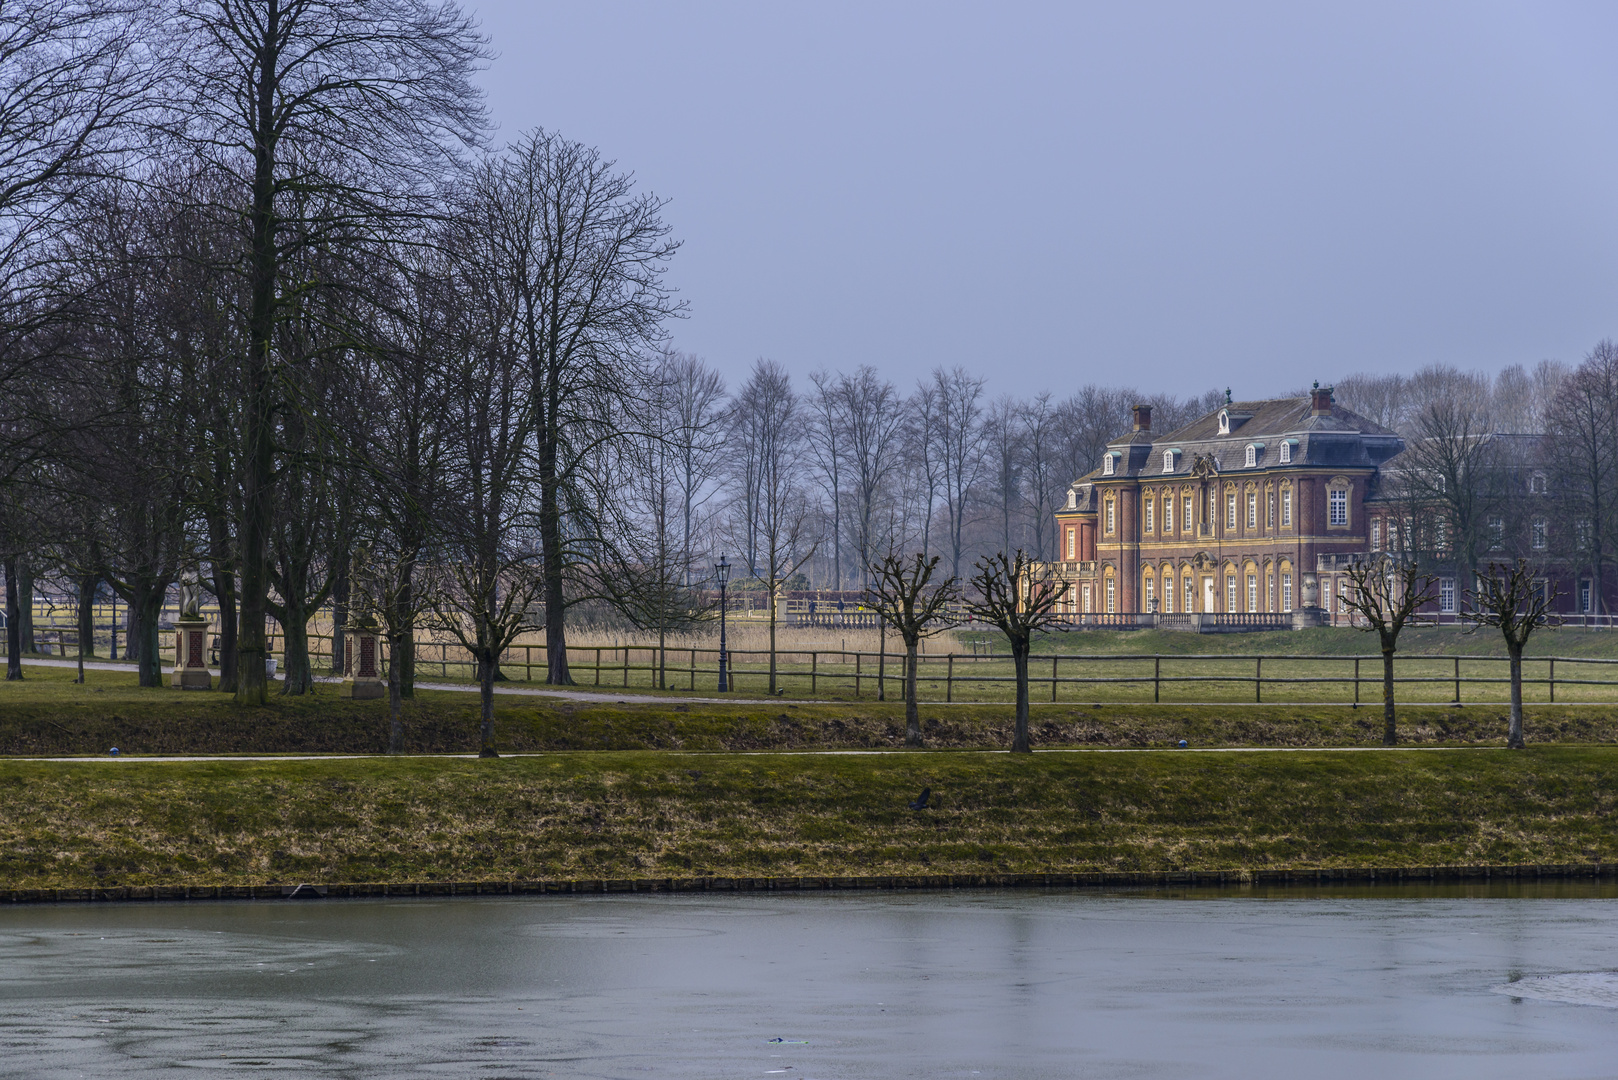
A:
{"x":339,"y":613}
{"x":25,"y":614}
{"x":881,"y":659}
{"x":486,"y":695}
{"x":299,"y":675}
{"x":912,"y":711}
{"x":772,"y":642}
{"x":1019,"y":660}
{"x":395,"y":700}
{"x":407,"y":644}
{"x":148,"y":608}
{"x":13,"y":623}
{"x":1514,"y":738}
{"x":87,"y":614}
{"x":1389,"y":734}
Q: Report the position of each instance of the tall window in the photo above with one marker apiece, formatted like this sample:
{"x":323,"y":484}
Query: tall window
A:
{"x":1230,"y":510}
{"x":1252,"y":509}
{"x":1190,"y":596}
{"x":1190,"y":515}
{"x":1325,"y":594}
{"x":1168,"y":593}
{"x":1440,"y":534}
{"x":1286,"y":592}
{"x":1269,"y":592}
{"x":1536,"y":484}
{"x":1150,"y":594}
{"x":1539,"y":534}
{"x":1252,"y":592}
{"x":1168,"y":514}
{"x":1168,"y":461}
{"x":1112,"y":595}
{"x":1584,"y":596}
{"x":1252,"y":455}
{"x":1446,"y":595}
{"x":1376,"y":534}
{"x":1150,"y":503}
{"x":1286,"y":453}
{"x":1269,"y":518}
{"x":1497,"y":533}
{"x":1109,"y":516}
{"x":1338,"y":507}
{"x":1286,"y":508}
{"x":1107,"y":464}
{"x":1087,"y":599}
{"x":1231,"y":598}
{"x":1072,"y":544}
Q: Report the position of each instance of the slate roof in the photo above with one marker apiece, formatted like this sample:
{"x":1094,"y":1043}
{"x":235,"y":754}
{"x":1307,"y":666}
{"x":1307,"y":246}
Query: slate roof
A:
{"x":1341,"y":440}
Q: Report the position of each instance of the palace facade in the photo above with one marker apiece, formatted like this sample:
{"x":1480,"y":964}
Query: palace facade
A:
{"x":1234,"y":514}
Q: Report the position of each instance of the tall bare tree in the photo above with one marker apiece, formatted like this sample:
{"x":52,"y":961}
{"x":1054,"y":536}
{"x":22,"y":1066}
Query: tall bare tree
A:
{"x":1583,"y":420}
{"x":365,"y":102}
{"x":960,"y":441}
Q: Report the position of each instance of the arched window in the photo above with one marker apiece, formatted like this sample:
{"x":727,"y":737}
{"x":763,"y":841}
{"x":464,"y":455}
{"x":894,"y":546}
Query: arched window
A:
{"x":1108,"y":462}
{"x":1168,"y":461}
{"x":1252,"y":455}
{"x":1286,"y":452}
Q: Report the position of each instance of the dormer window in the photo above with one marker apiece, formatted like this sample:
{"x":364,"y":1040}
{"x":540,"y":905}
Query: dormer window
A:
{"x":1108,"y":464}
{"x":1224,"y":421}
{"x":1072,"y":499}
{"x":1168,"y":460}
{"x":1286,"y":452}
{"x":1252,"y":455}
{"x":1536,"y":484}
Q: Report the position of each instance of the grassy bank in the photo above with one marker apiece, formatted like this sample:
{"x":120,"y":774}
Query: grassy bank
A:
{"x":65,"y":825}
{"x":47,"y":714}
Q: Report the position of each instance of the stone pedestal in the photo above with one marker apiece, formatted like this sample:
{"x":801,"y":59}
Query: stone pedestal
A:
{"x":1307,"y":617}
{"x":362,"y":662}
{"x":191,"y":655}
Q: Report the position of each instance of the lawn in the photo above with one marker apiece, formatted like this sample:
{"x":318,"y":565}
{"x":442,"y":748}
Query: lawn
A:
{"x":648,"y":815}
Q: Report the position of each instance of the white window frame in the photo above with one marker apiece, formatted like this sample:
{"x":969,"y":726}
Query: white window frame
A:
{"x":1168,"y":514}
{"x":1539,"y":532}
{"x":1168,"y":593}
{"x":1072,"y":543}
{"x":1168,"y":461}
{"x":1252,"y":509}
{"x":1151,"y":504}
{"x":1230,"y":511}
{"x":1337,"y":503}
{"x":1252,"y":593}
{"x":1586,"y":596}
{"x":1286,"y":508}
{"x":1497,"y":533}
{"x":1537,"y":484}
{"x":1112,"y":595}
{"x":1190,"y":512}
{"x":1325,"y":594}
{"x":1150,"y":591}
{"x":1286,"y":452}
{"x":1190,"y":595}
{"x":1111,"y":517}
{"x":1252,"y":455}
{"x":1231,"y":596}
{"x":1224,"y":421}
{"x":1446,"y":595}
{"x":1286,"y":591}
{"x":1108,"y":462}
{"x":1376,"y":534}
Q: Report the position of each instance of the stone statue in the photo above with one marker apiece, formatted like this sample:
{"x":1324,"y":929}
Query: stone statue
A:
{"x":190,"y":596}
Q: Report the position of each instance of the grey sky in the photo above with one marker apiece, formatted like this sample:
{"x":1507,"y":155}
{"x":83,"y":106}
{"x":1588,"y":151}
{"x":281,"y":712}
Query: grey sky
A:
{"x":1049,"y":194}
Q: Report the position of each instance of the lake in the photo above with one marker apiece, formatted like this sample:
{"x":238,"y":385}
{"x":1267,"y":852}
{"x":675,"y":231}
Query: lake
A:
{"x":1465,"y":981}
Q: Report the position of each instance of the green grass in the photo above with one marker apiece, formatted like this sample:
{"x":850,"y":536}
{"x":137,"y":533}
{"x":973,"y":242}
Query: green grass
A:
{"x":645,"y":815}
{"x":48,"y":714}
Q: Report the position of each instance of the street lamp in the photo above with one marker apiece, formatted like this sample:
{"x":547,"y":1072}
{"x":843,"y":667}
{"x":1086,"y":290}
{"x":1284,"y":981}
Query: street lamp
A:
{"x":721,"y":571}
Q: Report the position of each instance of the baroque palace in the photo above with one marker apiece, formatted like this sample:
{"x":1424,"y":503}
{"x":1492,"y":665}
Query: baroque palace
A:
{"x":1238,"y":518}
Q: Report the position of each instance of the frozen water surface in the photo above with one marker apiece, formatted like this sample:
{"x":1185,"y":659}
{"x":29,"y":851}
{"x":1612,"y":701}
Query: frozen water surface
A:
{"x":1385,"y":983}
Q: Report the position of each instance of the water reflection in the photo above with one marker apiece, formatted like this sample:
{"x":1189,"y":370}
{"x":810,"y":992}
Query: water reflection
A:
{"x":1476,"y":981}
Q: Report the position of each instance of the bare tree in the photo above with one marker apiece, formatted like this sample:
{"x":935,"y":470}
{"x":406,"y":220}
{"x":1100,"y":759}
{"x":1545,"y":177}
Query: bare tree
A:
{"x":1583,"y":421}
{"x":766,"y":432}
{"x":1004,"y":453}
{"x":1045,"y":485}
{"x":900,"y":590}
{"x":1516,"y":600}
{"x":1452,"y":465}
{"x":960,"y":440}
{"x":364,"y":102}
{"x":584,"y":256}
{"x":1014,"y":594}
{"x":874,"y":416}
{"x":1386,"y":592}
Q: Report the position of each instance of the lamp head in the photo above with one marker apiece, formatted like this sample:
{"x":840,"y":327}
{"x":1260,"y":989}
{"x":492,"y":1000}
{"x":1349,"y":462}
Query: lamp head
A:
{"x":721,"y":570}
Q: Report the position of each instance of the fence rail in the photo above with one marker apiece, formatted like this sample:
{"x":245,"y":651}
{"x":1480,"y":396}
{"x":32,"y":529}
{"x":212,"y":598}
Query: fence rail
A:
{"x":964,"y":677}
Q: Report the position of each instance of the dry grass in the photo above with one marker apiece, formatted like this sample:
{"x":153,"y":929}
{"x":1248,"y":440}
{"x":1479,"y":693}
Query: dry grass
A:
{"x":661,"y":814}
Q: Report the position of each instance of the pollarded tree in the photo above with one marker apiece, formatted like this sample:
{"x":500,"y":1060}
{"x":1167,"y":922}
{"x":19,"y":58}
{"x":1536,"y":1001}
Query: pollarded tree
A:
{"x":902,"y":593}
{"x":1516,"y":601}
{"x":1015,"y":594}
{"x":1386,"y":591}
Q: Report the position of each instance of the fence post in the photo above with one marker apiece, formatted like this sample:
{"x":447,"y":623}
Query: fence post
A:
{"x":626,"y":666}
{"x":949,"y":680}
{"x":693,"y":669}
{"x":1356,"y":682}
{"x":1457,"y":680}
{"x":856,"y":674}
{"x":1553,"y":680}
{"x":814,"y":671}
{"x":1258,"y":679}
{"x":598,"y":665}
{"x":1054,"y":659}
{"x":1157,"y":679}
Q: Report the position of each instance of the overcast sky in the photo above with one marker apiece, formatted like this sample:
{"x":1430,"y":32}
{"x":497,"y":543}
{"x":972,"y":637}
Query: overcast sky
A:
{"x":1174,"y":196}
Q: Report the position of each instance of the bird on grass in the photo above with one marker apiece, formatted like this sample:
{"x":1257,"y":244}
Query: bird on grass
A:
{"x":921,"y":803}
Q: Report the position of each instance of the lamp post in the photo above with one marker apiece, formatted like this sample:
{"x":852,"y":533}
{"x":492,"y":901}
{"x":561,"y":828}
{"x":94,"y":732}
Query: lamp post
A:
{"x":721,"y":571}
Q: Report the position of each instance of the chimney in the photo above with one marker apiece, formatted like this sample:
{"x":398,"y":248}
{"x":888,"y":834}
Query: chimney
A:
{"x":1143,"y":418}
{"x":1320,"y":401}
